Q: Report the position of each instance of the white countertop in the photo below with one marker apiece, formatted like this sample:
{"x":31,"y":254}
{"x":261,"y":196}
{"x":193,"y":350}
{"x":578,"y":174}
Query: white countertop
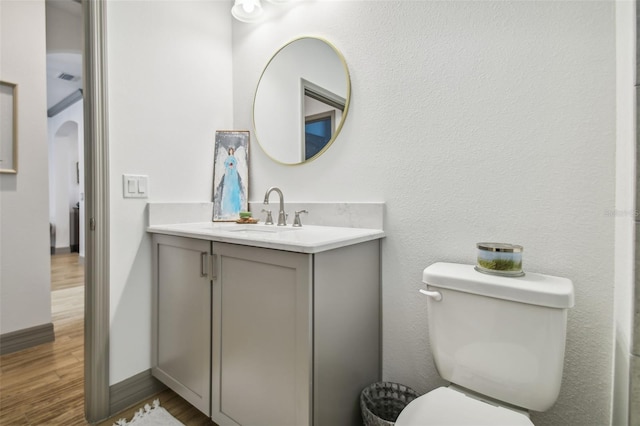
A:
{"x":306,"y":239}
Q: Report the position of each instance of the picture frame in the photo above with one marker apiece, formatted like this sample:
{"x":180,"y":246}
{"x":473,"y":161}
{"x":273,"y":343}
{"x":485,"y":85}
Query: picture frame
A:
{"x":8,"y":127}
{"x":230,"y":174}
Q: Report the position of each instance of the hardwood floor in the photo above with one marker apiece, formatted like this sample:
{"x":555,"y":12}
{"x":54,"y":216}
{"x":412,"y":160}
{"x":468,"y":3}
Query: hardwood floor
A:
{"x":44,"y":385}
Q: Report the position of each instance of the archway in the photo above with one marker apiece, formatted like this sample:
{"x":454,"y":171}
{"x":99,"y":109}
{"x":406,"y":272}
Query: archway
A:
{"x":65,"y":165}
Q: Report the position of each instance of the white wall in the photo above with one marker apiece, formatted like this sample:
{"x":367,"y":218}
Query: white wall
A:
{"x":169,"y":83}
{"x":473,"y":121}
{"x":25,"y":282}
{"x":61,"y":175}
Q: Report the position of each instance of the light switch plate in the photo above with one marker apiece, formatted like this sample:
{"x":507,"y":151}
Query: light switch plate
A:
{"x":135,"y":186}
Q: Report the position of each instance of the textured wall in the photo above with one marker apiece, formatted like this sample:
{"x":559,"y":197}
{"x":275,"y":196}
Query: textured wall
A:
{"x":473,"y":121}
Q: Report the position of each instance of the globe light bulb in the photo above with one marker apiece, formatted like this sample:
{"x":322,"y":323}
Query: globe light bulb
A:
{"x":246,"y":10}
{"x":248,"y":6}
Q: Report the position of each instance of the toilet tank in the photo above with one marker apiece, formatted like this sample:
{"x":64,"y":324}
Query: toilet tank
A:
{"x":503,"y":337}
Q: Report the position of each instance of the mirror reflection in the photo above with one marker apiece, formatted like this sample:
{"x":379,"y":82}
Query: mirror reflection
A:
{"x":301,"y":100}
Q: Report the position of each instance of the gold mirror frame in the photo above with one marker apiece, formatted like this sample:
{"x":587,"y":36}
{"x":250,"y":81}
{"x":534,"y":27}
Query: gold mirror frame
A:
{"x":265,"y":140}
{"x":8,"y":127}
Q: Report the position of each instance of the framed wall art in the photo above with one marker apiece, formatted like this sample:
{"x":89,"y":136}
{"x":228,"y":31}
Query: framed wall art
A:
{"x":230,"y":175}
{"x":8,"y":127}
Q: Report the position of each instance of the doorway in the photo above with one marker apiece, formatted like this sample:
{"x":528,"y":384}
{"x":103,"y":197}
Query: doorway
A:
{"x":65,"y":44}
{"x":66,"y":187}
{"x":83,"y":26}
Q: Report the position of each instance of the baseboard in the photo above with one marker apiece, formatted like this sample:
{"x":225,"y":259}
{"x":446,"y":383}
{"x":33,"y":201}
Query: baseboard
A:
{"x":60,"y":250}
{"x":26,"y":338}
{"x":132,"y":391}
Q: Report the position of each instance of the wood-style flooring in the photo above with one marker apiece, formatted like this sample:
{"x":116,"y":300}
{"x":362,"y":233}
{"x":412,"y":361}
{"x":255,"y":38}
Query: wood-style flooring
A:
{"x":44,"y":385}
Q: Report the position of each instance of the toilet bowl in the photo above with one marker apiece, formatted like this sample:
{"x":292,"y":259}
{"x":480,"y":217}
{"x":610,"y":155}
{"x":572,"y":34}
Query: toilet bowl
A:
{"x":498,"y":340}
{"x":446,"y":406}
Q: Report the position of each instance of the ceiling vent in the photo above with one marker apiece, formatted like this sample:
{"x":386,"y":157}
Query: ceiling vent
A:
{"x":67,"y":77}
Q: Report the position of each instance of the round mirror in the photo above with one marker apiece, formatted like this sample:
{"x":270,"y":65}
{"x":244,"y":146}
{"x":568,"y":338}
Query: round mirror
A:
{"x":301,"y":101}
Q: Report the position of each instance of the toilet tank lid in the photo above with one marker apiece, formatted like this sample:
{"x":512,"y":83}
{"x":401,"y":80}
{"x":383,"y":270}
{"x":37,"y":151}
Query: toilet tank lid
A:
{"x":532,"y":288}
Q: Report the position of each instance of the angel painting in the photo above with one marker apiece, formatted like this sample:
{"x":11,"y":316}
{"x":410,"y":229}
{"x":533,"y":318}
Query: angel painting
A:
{"x":230,"y":175}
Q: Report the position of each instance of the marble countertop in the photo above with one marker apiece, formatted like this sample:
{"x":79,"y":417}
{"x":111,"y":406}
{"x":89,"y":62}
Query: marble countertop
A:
{"x":306,"y":239}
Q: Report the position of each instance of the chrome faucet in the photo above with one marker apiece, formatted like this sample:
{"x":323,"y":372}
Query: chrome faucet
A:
{"x":282,"y":216}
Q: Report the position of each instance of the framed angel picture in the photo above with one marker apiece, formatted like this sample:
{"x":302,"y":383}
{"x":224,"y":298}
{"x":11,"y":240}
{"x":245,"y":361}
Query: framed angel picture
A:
{"x":230,"y":175}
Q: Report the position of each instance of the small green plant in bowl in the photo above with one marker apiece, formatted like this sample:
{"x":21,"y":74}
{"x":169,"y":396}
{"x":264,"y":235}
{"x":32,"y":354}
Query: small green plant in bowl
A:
{"x":500,"y":264}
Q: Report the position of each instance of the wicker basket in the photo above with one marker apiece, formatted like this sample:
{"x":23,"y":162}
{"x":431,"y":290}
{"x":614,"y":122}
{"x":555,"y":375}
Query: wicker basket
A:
{"x":382,"y":402}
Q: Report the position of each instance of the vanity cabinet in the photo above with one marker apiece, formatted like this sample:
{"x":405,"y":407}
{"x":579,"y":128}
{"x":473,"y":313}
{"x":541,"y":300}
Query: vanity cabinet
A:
{"x":181,"y":309}
{"x":294,"y":337}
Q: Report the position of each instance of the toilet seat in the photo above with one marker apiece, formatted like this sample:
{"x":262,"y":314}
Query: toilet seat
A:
{"x":445,"y":406}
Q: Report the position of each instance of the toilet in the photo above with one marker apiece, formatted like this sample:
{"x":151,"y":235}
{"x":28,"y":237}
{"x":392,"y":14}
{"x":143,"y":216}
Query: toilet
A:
{"x":498,"y":340}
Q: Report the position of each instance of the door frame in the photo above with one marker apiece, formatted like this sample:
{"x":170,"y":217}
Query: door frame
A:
{"x":96,"y":153}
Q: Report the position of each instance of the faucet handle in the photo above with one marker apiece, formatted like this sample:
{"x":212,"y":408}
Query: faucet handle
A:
{"x":296,"y":219}
{"x":269,"y":219}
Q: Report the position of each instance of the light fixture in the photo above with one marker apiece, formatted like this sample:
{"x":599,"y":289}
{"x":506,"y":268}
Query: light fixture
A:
{"x":247,"y":10}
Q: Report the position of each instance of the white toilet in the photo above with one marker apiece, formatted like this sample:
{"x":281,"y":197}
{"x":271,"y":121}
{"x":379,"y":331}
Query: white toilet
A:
{"x":499,"y":341}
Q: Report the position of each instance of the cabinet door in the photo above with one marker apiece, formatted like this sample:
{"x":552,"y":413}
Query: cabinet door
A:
{"x":182,"y":317}
{"x":262,"y":343}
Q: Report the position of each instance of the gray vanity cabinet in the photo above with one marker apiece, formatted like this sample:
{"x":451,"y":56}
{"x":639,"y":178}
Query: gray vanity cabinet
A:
{"x":296,"y":336}
{"x":258,"y":336}
{"x":181,"y":326}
